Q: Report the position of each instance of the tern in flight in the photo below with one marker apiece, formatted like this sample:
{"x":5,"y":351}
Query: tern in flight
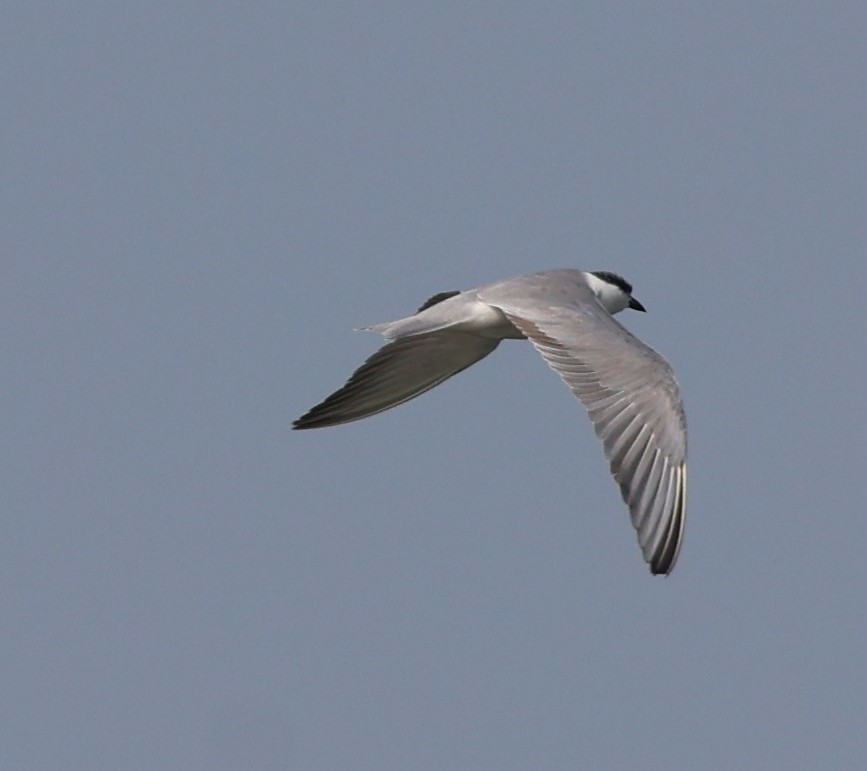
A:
{"x":628,"y":389}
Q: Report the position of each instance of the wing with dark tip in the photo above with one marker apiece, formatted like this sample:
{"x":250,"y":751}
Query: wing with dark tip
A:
{"x":396,"y":373}
{"x":629,"y":391}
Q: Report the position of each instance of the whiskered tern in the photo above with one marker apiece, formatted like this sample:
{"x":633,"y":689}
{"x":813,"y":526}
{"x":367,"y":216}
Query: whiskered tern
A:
{"x":628,"y":389}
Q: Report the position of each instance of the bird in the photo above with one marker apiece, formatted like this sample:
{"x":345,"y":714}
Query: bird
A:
{"x":628,"y":389}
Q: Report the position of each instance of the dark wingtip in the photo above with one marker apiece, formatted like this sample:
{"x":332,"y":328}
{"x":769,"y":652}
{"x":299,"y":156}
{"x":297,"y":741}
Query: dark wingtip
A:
{"x":317,"y":417}
{"x":301,"y":423}
{"x":664,"y":560}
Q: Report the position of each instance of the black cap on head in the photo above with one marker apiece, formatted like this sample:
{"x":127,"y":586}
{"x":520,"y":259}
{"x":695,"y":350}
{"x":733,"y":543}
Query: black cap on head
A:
{"x":613,"y":278}
{"x":622,"y":284}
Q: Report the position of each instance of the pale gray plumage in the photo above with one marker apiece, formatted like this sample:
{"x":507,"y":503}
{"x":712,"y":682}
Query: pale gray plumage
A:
{"x":629,"y":390}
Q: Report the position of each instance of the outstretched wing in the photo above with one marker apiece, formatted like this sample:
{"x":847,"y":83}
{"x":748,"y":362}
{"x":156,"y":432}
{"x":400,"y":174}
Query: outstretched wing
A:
{"x":629,"y":391}
{"x":396,"y":373}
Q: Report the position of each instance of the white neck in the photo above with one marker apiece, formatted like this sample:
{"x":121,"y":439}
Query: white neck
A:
{"x":613,"y":298}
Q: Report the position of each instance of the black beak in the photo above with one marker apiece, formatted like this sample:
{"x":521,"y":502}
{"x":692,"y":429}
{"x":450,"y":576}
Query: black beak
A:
{"x":635,"y":305}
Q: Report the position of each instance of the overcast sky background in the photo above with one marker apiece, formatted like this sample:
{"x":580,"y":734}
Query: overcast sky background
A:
{"x":200,"y":201}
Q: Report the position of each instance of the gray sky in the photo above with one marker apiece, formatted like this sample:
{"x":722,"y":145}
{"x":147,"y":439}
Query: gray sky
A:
{"x":201,"y":201}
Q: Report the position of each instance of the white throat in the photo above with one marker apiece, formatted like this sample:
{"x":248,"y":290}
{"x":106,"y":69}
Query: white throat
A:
{"x":613,"y":298}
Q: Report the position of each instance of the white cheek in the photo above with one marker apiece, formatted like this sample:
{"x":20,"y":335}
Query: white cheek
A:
{"x":612,"y":298}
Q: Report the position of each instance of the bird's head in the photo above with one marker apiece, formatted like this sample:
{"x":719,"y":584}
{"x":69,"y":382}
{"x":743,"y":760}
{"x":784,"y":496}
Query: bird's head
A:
{"x":613,"y":291}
